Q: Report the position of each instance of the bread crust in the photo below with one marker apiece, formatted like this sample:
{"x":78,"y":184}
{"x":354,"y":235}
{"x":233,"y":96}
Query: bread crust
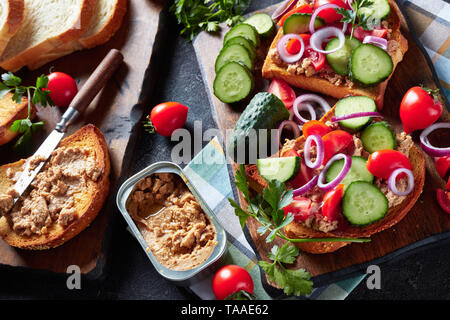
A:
{"x":14,"y":18}
{"x":96,"y":193}
{"x":317,"y":84}
{"x":393,"y":216}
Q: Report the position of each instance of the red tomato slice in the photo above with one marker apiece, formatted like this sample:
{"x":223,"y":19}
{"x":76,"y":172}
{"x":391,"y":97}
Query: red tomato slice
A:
{"x":443,"y":198}
{"x":293,"y":46}
{"x":305,"y":174}
{"x":300,"y":208}
{"x":282,"y":90}
{"x":330,"y":15}
{"x":317,"y":58}
{"x":381,"y":163}
{"x":442,"y":165}
{"x":335,"y":142}
{"x":167,"y":117}
{"x":315,"y":127}
{"x":331,"y":203}
{"x":359,"y":33}
{"x":302,"y":9}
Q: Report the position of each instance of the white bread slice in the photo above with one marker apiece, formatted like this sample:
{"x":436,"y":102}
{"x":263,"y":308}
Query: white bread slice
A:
{"x":46,"y":25}
{"x":107,"y":20}
{"x":11,"y":16}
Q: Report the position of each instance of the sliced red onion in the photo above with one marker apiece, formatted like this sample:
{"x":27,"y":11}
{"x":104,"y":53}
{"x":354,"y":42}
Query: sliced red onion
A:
{"x":299,"y":104}
{"x":291,"y":124}
{"x":356,"y":115}
{"x":426,"y":145}
{"x":304,"y":106}
{"x":347,"y":164}
{"x":320,"y":35}
{"x":286,"y":56}
{"x":307,"y":151}
{"x":306,"y":187}
{"x":378,"y":41}
{"x":283,"y":8}
{"x":392,"y":182}
{"x":317,"y":11}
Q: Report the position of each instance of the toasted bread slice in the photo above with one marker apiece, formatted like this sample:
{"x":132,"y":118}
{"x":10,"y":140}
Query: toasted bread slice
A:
{"x":87,"y":203}
{"x":107,"y":20}
{"x":393,"y":216}
{"x":11,"y":15}
{"x":318,"y":84}
{"x":46,"y":25}
{"x":9,"y":112}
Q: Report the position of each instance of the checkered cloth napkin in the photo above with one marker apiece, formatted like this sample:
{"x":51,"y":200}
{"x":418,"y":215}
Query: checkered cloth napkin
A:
{"x":430,"y":20}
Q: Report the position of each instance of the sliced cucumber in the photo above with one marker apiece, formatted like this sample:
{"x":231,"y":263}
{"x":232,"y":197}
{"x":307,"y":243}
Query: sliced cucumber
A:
{"x":243,"y":42}
{"x":378,"y":136}
{"x":244,"y":30}
{"x":363,"y":204}
{"x":355,"y":104}
{"x":233,"y":83}
{"x":379,"y":9}
{"x":299,"y":23}
{"x":340,"y":59}
{"x":358,"y":171}
{"x":233,"y":53}
{"x":370,"y":64}
{"x":281,"y":169}
{"x":262,"y":22}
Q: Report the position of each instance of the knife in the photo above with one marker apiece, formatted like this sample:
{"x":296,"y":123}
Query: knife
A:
{"x":79,"y":104}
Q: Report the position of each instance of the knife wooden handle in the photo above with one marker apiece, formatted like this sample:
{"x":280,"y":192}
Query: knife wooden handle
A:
{"x":97,"y":80}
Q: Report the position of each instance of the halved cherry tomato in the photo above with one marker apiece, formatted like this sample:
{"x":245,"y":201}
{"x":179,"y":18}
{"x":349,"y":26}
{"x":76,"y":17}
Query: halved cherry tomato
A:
{"x":305,"y":174}
{"x":317,"y":58}
{"x":419,"y":109}
{"x":442,"y":165}
{"x":331,"y":202}
{"x":62,"y":87}
{"x":305,"y":37}
{"x":231,"y":279}
{"x":443,"y":198}
{"x":329,"y":15}
{"x":315,"y":127}
{"x":167,"y":117}
{"x":359,"y":33}
{"x":302,"y":9}
{"x":300,"y":208}
{"x":381,"y":163}
{"x":282,"y":90}
{"x":335,"y":142}
{"x":293,"y":46}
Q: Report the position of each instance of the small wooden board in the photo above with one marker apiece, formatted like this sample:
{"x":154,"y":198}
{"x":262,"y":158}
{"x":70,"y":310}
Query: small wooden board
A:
{"x":116,"y":111}
{"x":426,"y":223}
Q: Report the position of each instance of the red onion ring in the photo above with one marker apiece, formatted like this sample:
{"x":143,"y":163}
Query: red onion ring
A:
{"x":281,"y":47}
{"x":306,"y":187}
{"x":320,"y":35}
{"x":307,"y":151}
{"x":356,"y":115}
{"x":331,"y":185}
{"x":303,"y":106}
{"x":426,"y":145}
{"x":316,"y":13}
{"x":292,"y":125}
{"x":377,"y":41}
{"x":283,"y":8}
{"x":392,"y":182}
{"x":299,"y":103}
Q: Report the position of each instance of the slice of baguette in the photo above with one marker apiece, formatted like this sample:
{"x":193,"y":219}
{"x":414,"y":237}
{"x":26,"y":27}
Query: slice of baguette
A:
{"x":11,"y":16}
{"x":317,"y":84}
{"x":107,"y":20}
{"x":393,"y":216}
{"x":47,"y":24}
{"x":88,"y":204}
{"x":9,"y":112}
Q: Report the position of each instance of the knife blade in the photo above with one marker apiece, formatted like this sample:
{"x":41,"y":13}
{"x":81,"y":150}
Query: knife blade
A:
{"x":79,"y":104}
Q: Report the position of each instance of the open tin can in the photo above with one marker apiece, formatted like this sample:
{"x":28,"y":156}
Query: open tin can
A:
{"x":182,"y":278}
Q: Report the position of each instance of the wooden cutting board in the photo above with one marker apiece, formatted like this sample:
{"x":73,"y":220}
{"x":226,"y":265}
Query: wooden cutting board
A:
{"x":116,"y":111}
{"x":425,"y":224}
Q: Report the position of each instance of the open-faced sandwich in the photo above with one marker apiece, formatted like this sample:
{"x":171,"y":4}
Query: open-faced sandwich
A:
{"x":352,"y":176}
{"x":338,"y":49}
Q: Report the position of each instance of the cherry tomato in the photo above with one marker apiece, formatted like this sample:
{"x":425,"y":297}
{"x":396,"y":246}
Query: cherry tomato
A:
{"x":329,"y":15}
{"x":335,"y":142}
{"x":359,"y":33}
{"x":331,"y":203}
{"x":305,"y":37}
{"x":167,"y":117}
{"x":317,"y":58}
{"x":443,"y":198}
{"x":419,"y":109}
{"x":305,"y":174}
{"x":381,"y":163}
{"x":293,"y":46}
{"x":315,"y":127}
{"x":442,"y":165}
{"x":62,"y":87}
{"x":302,"y":9}
{"x":299,"y":207}
{"x":231,"y":279}
{"x":282,"y":90}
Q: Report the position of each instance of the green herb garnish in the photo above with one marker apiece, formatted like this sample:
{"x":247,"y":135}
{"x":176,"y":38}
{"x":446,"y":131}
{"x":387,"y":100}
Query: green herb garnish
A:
{"x":355,"y":17}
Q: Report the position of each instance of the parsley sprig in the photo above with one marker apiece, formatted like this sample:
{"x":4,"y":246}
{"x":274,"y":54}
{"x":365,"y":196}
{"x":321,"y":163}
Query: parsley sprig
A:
{"x":267,"y":209}
{"x":36,"y":95}
{"x":198,"y":15}
{"x":355,"y":17}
